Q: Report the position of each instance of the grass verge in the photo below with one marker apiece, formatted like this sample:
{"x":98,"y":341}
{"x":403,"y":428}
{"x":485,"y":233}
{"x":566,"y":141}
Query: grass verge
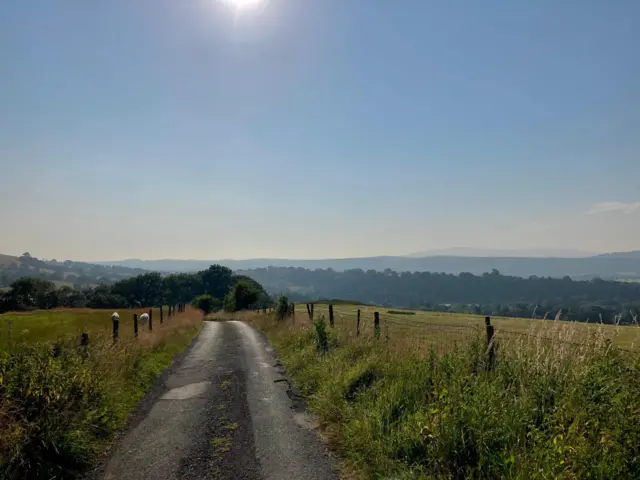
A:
{"x":59,"y":410}
{"x":542,"y":411}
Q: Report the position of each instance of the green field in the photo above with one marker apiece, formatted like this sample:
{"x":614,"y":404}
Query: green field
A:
{"x":66,"y":324}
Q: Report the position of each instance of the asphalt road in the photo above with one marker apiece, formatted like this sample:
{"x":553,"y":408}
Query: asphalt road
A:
{"x":225,"y":412}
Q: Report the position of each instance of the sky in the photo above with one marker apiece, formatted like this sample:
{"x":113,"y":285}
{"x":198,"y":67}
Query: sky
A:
{"x":317,"y":128}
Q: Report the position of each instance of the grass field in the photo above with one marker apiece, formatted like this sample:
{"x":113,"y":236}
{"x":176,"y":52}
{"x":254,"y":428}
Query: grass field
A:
{"x":60,"y":411}
{"x":429,"y":403}
{"x":67,"y":324}
{"x":444,"y":328}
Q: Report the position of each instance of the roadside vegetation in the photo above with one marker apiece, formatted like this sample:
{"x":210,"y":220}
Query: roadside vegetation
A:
{"x":398,"y":408}
{"x":61,"y":404}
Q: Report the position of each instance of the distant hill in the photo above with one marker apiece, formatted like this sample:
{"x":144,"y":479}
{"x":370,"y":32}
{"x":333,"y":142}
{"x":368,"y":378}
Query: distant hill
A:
{"x":633,"y":255}
{"x":79,"y":274}
{"x":604,"y":266}
{"x":512,"y":253}
{"x":8,"y":260}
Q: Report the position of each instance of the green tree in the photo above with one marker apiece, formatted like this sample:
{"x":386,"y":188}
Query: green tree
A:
{"x":245,"y":294}
{"x":216,"y":280}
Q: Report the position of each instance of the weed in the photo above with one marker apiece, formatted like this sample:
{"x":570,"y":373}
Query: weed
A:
{"x":322,"y":340}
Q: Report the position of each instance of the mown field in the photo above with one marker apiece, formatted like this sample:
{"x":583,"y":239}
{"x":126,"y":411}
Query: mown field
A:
{"x":447,"y":328}
{"x":426,"y":400}
{"x":60,"y":407}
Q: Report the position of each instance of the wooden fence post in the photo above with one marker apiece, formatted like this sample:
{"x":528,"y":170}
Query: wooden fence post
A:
{"x":376,"y":324}
{"x":135,"y":325}
{"x":293,"y":312}
{"x":116,"y":326}
{"x":490,"y":341}
{"x":331,"y":320}
{"x":386,"y":330}
{"x":150,"y":319}
{"x":358,"y":325}
{"x":84,"y":345}
{"x":309,"y":312}
{"x":161,"y":315}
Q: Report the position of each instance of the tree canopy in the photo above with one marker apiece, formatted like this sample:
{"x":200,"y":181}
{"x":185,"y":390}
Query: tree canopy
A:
{"x":145,"y":290}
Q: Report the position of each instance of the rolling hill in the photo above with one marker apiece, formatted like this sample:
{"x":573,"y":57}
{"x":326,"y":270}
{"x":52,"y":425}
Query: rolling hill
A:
{"x":610,"y":266}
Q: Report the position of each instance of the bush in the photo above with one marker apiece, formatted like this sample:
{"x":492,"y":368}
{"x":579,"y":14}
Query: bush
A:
{"x":282,"y":310}
{"x":206,"y":303}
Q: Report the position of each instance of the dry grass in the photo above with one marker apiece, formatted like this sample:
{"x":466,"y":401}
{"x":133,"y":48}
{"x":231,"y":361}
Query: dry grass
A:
{"x":438,"y":328}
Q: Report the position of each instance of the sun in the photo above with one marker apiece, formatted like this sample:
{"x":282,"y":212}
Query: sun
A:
{"x":243,"y":5}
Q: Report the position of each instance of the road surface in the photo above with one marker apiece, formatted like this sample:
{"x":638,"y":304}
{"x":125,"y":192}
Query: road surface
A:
{"x":225,"y":412}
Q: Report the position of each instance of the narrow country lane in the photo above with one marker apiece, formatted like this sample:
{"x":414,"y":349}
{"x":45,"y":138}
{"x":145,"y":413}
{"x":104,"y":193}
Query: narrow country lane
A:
{"x":226,"y":413}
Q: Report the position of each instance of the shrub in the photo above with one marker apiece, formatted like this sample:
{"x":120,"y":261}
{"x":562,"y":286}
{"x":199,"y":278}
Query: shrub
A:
{"x":282,"y":310}
{"x":322,"y":341}
{"x":206,"y":303}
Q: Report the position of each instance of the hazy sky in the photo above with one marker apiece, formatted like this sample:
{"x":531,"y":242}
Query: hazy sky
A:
{"x":317,"y":128}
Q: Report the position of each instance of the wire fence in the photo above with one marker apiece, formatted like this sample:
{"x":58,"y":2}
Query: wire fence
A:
{"x":422,"y":329}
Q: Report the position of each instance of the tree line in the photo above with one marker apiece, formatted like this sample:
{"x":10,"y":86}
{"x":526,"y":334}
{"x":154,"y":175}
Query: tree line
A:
{"x":218,"y":284}
{"x":489,"y":294}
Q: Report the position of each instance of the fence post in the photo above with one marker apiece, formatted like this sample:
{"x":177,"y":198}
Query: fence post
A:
{"x":376,"y":324}
{"x":84,"y":345}
{"x":293,"y":312}
{"x":386,"y":330}
{"x":331,"y":322}
{"x":150,"y":319}
{"x":490,"y":341}
{"x":309,"y":312}
{"x":135,"y":325}
{"x":116,"y":325}
{"x":161,"y":315}
{"x":358,"y":325}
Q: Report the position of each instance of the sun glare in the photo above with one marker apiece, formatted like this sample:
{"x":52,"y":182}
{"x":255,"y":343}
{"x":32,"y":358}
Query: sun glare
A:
{"x":242,"y":5}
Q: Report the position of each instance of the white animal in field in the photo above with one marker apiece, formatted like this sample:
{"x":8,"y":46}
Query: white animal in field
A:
{"x":144,"y":318}
{"x":115,"y":317}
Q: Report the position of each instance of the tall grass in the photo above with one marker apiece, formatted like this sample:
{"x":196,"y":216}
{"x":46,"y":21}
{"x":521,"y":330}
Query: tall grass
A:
{"x":58,"y":412}
{"x":546,"y":409}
